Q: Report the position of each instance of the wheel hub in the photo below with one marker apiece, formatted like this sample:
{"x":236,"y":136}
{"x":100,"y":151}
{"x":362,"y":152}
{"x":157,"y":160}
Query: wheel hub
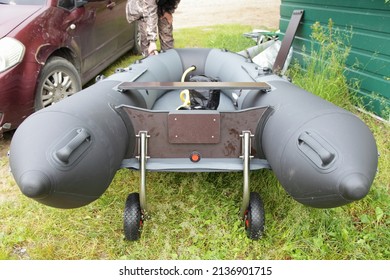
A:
{"x":57,"y":87}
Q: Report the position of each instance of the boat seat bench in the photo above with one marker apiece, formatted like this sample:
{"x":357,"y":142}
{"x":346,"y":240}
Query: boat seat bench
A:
{"x":170,"y":100}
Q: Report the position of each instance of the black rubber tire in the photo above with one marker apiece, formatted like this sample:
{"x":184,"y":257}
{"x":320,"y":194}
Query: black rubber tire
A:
{"x":58,"y":79}
{"x":132,"y":218}
{"x":255,"y":217}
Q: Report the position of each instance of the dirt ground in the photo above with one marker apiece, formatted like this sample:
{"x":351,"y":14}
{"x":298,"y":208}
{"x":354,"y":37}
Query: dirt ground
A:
{"x":192,"y":13}
{"x":257,"y":13}
{"x":4,"y":145}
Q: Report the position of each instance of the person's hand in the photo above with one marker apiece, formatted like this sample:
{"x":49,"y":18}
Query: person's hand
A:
{"x":168,"y":17}
{"x":152,"y":49}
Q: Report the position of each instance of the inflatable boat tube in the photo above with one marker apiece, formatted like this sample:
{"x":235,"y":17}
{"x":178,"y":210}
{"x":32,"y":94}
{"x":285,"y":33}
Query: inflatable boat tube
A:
{"x":66,"y":155}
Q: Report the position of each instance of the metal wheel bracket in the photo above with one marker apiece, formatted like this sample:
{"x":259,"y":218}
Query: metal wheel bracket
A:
{"x":246,"y":149}
{"x":143,"y":157}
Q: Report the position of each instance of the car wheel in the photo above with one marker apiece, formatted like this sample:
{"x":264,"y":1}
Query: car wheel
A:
{"x":58,"y":80}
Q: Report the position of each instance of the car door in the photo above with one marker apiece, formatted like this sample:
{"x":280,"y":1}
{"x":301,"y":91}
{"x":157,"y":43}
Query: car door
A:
{"x":124,"y":32}
{"x":103,"y":34}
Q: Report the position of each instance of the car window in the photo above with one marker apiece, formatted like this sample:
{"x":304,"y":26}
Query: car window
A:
{"x":66,"y":4}
{"x":23,"y":2}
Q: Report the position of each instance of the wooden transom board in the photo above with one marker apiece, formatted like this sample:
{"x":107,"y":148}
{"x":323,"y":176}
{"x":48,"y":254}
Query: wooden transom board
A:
{"x":210,"y":133}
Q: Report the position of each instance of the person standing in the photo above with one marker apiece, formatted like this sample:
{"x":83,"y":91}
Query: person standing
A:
{"x":154,"y":18}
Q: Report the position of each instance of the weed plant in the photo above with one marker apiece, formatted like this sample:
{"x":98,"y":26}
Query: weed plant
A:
{"x":195,"y":215}
{"x":322,"y":70}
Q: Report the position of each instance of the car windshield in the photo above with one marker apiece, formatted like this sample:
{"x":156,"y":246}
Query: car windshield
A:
{"x":23,"y":2}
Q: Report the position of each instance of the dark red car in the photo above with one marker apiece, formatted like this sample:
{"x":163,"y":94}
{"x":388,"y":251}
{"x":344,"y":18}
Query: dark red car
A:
{"x":50,"y":48}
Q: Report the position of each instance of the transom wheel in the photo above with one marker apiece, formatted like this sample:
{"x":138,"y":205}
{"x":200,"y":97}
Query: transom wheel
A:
{"x":132,"y":218}
{"x":254,"y":217}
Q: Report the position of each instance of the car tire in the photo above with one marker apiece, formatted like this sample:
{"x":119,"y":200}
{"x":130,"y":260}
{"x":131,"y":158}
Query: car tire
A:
{"x":59,"y":79}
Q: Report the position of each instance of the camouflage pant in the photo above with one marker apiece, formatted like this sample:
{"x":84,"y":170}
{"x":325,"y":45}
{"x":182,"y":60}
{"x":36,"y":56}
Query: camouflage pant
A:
{"x":164,"y":32}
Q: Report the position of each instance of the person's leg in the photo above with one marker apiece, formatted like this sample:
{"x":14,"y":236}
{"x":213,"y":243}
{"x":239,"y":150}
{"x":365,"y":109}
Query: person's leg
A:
{"x":143,"y":36}
{"x":165,"y":32}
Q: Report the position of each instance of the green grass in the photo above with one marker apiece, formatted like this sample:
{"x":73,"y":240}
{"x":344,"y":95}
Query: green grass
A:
{"x":195,"y":215}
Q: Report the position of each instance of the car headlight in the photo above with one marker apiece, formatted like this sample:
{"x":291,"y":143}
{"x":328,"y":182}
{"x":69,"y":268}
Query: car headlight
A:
{"x":11,"y":53}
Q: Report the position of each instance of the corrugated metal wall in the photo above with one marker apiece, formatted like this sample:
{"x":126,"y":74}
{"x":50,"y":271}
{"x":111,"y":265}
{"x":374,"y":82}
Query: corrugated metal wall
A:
{"x":369,"y":59}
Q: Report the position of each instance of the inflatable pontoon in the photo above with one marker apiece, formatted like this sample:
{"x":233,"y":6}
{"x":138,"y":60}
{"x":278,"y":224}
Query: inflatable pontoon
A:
{"x":193,"y":110}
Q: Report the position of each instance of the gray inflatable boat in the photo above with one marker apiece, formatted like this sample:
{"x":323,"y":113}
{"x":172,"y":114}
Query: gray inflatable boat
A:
{"x":196,"y":110}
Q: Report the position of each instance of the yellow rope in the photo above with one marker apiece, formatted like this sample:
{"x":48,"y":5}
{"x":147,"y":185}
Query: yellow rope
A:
{"x":185,"y":93}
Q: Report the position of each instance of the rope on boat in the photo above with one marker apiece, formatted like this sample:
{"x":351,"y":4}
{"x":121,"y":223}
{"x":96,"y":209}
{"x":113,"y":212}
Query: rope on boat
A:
{"x":185,"y":93}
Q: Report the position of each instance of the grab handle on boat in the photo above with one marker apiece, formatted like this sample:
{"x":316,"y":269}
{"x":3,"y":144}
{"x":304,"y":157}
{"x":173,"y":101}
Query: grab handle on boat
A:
{"x":65,"y":152}
{"x":310,"y":141}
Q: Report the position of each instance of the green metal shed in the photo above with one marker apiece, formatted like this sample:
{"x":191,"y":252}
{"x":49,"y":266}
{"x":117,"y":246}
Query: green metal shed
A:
{"x":369,"y":58}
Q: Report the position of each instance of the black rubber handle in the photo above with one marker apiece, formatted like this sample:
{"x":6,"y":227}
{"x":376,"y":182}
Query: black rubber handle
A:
{"x":309,"y":140}
{"x":64,"y":153}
